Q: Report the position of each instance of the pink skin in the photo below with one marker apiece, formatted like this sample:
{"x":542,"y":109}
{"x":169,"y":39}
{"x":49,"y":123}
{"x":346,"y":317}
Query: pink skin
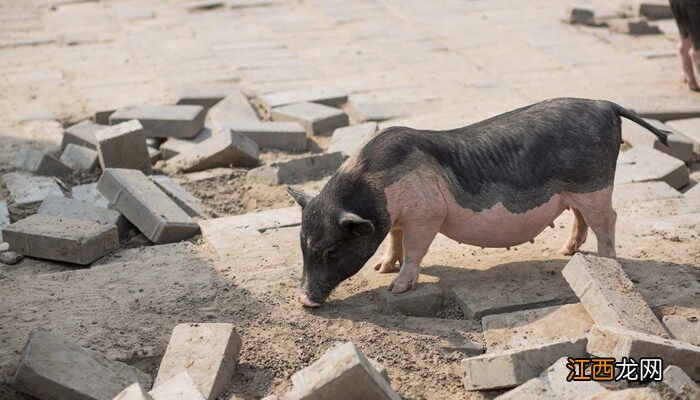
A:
{"x":304,"y":299}
{"x":421,"y":205}
{"x":688,"y":56}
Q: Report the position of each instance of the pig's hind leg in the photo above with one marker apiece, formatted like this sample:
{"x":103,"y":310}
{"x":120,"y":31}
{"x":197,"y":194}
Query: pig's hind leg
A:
{"x":688,"y":55}
{"x":579,"y":232}
{"x":393,"y":254}
{"x":596,"y":208}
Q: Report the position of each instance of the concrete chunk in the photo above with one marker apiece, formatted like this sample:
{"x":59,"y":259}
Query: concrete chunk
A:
{"x":75,"y":209}
{"x":61,"y":239}
{"x":89,"y":194}
{"x":222,"y":150}
{"x":317,"y":119}
{"x":146,"y":206}
{"x":422,"y":301}
{"x":26,"y":189}
{"x":342,"y":373}
{"x":133,"y":392}
{"x":123,"y":146}
{"x":182,"y":121}
{"x":350,"y":139}
{"x":41,"y":163}
{"x":678,"y":383}
{"x":81,"y":134}
{"x":690,"y":128}
{"x":174,"y":146}
{"x":190,"y":204}
{"x":580,"y":15}
{"x":513,"y":367}
{"x":297,"y":169}
{"x":644,"y":164}
{"x":679,"y":146}
{"x":606,"y":341}
{"x":273,"y":135}
{"x":179,"y":387}
{"x":51,"y":367}
{"x":232,"y":109}
{"x":328,"y":96}
{"x":79,"y":158}
{"x":684,"y":328}
{"x":207,"y":352}
{"x":609,"y":296}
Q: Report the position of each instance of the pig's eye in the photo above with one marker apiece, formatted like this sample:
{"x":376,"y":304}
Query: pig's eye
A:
{"x":332,"y":252}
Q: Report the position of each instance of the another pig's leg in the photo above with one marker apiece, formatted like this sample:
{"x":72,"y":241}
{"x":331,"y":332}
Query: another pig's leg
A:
{"x":416,"y":241}
{"x":688,"y":55}
{"x":596,"y":208}
{"x":394,"y":252}
{"x":579,"y":232}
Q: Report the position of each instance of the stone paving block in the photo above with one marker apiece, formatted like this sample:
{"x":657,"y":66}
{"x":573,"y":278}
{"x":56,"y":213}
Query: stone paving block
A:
{"x":4,"y":217}
{"x":179,"y":387}
{"x":350,"y":139}
{"x":234,"y":108}
{"x":41,"y":163}
{"x":609,"y":296}
{"x":183,"y":121}
{"x":342,"y":373}
{"x":51,"y":367}
{"x":644,"y":165}
{"x":207,"y":352}
{"x":79,"y":158}
{"x":679,"y":146}
{"x":644,"y":191}
{"x":422,"y":301}
{"x":637,"y":26}
{"x":328,"y":96}
{"x":81,"y":134}
{"x":580,"y":15}
{"x":273,"y":135}
{"x":297,"y":169}
{"x":606,"y":341}
{"x":133,"y":392}
{"x":535,"y":327}
{"x":146,"y":206}
{"x":89,"y":194}
{"x":676,"y":383}
{"x":174,"y":146}
{"x":367,"y":111}
{"x":317,"y":119}
{"x":26,"y":189}
{"x":690,"y":128}
{"x":61,"y":239}
{"x":190,"y":204}
{"x":655,"y":10}
{"x":59,"y":206}
{"x":513,"y":367}
{"x":685,"y":328}
{"x":203,"y":95}
{"x":225,"y":149}
{"x":123,"y":146}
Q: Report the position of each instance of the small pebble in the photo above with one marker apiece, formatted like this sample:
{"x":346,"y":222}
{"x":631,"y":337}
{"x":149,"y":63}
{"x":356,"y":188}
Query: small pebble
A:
{"x":10,"y":257}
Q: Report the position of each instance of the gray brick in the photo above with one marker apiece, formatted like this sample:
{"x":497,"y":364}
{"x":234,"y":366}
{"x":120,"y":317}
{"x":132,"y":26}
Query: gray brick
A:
{"x":89,"y":194}
{"x":26,"y":189}
{"x":123,"y":146}
{"x":606,"y":341}
{"x":61,"y":239}
{"x":207,"y":352}
{"x":226,"y":148}
{"x":608,"y":294}
{"x":514,"y":367}
{"x":190,"y":204}
{"x":643,"y":165}
{"x":655,"y":10}
{"x":41,"y":163}
{"x":424,"y":300}
{"x":690,"y":128}
{"x":234,"y":108}
{"x":633,"y":26}
{"x":342,"y":373}
{"x":181,"y":386}
{"x":81,"y":134}
{"x":350,"y":139}
{"x":273,"y":135}
{"x":317,"y":119}
{"x":328,"y":96}
{"x":146,"y":206}
{"x":79,"y":158}
{"x":678,"y":383}
{"x":183,"y":121}
{"x":4,"y":217}
{"x":174,"y":146}
{"x":297,"y":170}
{"x":679,"y":146}
{"x":75,"y":209}
{"x":54,"y":368}
{"x":133,"y":392}
{"x":580,"y":15}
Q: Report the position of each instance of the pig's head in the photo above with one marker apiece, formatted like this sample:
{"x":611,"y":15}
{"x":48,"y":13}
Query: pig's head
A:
{"x":335,"y":244}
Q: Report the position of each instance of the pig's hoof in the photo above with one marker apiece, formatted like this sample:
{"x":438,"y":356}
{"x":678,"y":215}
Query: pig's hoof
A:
{"x":402,"y":284}
{"x":385,"y":267}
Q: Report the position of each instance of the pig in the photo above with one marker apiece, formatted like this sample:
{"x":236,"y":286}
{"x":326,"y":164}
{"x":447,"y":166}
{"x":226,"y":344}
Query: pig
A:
{"x":496,"y":183}
{"x":687,"y":15}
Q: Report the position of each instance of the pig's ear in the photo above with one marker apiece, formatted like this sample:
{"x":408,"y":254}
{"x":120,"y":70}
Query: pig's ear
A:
{"x":357,"y":225}
{"x":300,"y":197}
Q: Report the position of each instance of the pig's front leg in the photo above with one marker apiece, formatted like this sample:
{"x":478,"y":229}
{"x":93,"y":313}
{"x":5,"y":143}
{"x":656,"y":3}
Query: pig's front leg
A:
{"x":393,"y":254}
{"x":416,"y":241}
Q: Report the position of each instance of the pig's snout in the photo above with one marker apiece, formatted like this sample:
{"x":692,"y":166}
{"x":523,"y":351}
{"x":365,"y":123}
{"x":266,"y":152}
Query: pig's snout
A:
{"x":307,"y":302}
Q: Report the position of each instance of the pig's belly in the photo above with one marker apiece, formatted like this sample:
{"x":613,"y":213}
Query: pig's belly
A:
{"x":498,"y":227}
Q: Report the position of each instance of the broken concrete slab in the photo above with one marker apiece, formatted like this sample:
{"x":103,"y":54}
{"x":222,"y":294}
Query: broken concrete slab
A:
{"x":643,"y":164}
{"x":349,"y":139}
{"x":59,"y":206}
{"x":273,"y":135}
{"x":609,"y":296}
{"x":123,"y":146}
{"x":317,"y":119}
{"x":644,"y":191}
{"x":234,"y":108}
{"x":690,"y":128}
{"x":61,"y":239}
{"x":179,"y":387}
{"x":513,"y":367}
{"x":81,"y":134}
{"x":133,"y":392}
{"x":4,"y":217}
{"x":26,"y":189}
{"x":222,"y":150}
{"x":607,"y":341}
{"x":146,"y":206}
{"x":297,"y":169}
{"x":183,"y":121}
{"x":635,"y":26}
{"x":342,"y":373}
{"x":685,"y":328}
{"x":190,"y":204}
{"x":676,"y":383}
{"x":328,"y":96}
{"x":41,"y":163}
{"x":535,"y":327}
{"x":174,"y":146}
{"x":89,"y":194}
{"x":679,"y":146}
{"x":207,"y":352}
{"x":54,"y":368}
{"x":422,"y":301}
{"x":79,"y":158}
